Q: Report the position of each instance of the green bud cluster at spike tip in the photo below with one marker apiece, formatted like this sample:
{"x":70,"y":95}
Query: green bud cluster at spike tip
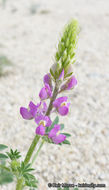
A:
{"x":65,"y":55}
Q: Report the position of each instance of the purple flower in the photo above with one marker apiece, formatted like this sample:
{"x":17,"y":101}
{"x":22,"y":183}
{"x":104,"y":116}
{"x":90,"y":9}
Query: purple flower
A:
{"x":42,"y":121}
{"x":62,"y":105}
{"x":53,"y":134}
{"x":69,"y":84}
{"x":45,"y":92}
{"x":47,"y":80}
{"x":40,"y":130}
{"x":33,"y":110}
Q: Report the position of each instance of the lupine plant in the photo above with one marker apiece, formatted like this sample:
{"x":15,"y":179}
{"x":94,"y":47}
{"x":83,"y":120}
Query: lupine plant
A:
{"x":59,"y":79}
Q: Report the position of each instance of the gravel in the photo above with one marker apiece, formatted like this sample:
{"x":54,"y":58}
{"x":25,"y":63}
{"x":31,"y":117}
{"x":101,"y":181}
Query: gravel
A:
{"x":29,"y":39}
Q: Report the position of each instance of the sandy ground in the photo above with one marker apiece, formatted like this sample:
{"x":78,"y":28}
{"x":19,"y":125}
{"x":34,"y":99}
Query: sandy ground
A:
{"x":29,"y":32}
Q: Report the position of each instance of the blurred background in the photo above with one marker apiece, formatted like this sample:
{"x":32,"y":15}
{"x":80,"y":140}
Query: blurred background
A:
{"x":29,"y":34}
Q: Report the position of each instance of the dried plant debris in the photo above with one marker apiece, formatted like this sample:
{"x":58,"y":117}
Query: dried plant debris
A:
{"x":34,"y":8}
{"x":4,"y":64}
{"x":44,"y":11}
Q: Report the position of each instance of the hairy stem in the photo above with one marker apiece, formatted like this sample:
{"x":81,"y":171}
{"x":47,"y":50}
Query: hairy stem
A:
{"x":19,"y":185}
{"x":35,"y":156}
{"x":31,"y":149}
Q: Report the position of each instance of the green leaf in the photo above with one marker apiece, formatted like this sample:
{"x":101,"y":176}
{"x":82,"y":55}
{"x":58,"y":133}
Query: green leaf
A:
{"x":66,"y":134}
{"x":68,"y":75}
{"x":5,"y":177}
{"x":4,"y":167}
{"x":2,"y":147}
{"x":24,"y":169}
{"x":13,"y":155}
{"x":52,"y":73}
{"x":56,"y":121}
{"x":31,"y":183}
{"x":73,"y":61}
{"x":29,"y":170}
{"x":66,"y":142}
{"x":59,"y":144}
{"x":3,"y":156}
{"x":31,"y":177}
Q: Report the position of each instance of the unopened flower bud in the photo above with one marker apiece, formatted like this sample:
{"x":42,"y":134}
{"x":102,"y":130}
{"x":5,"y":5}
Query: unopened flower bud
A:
{"x":55,"y":70}
{"x":69,"y":84}
{"x":68,"y":70}
{"x":67,"y":45}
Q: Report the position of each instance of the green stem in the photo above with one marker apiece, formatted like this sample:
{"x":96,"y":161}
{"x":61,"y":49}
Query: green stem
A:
{"x":35,"y":156}
{"x":31,"y":149}
{"x":19,"y":185}
{"x":55,"y":93}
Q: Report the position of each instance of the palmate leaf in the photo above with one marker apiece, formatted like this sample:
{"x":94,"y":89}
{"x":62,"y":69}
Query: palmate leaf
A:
{"x":5,"y":177}
{"x":5,"y":174}
{"x":13,"y":155}
{"x":30,"y":179}
{"x":4,"y":167}
{"x":3,"y":156}
{"x":31,"y":184}
{"x":23,"y":169}
{"x":2,"y":147}
{"x":28,"y":176}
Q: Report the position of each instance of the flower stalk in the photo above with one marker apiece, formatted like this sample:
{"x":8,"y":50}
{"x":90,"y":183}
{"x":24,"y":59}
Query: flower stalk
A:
{"x":35,"y":156}
{"x":61,"y":75}
{"x":55,"y":93}
{"x":31,"y":149}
